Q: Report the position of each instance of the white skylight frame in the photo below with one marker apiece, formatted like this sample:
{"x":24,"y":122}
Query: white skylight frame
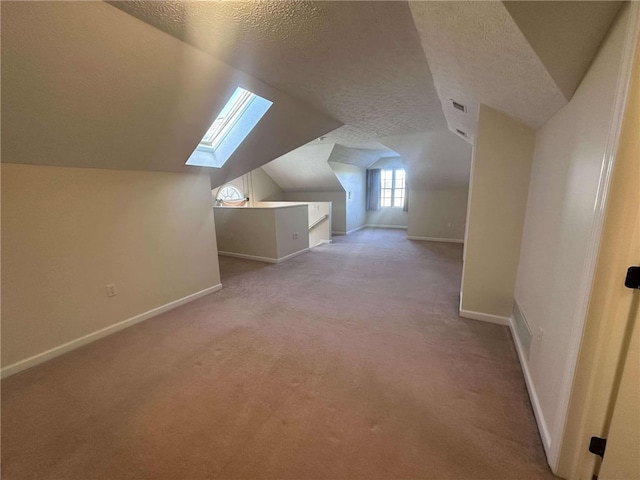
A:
{"x":233,"y":124}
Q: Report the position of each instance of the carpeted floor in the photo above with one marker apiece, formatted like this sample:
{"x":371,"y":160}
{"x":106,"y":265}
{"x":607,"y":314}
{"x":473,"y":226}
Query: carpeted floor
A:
{"x":349,"y":362}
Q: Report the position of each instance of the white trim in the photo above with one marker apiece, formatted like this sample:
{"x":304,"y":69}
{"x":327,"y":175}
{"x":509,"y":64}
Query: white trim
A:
{"x":322,"y":242}
{"x":291,"y":255}
{"x":533,"y":395}
{"x":585,"y":286}
{"x":356,"y":229}
{"x":375,"y":225}
{"x":435,"y":239}
{"x":263,"y":259}
{"x":485,"y":317}
{"x":248,"y":257}
{"x":92,"y":337}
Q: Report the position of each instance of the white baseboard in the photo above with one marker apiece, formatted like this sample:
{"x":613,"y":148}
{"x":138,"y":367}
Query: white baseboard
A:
{"x":248,"y":257}
{"x":92,"y":337}
{"x":375,"y":225}
{"x":435,"y":239}
{"x":356,"y":229}
{"x":322,"y":242}
{"x":291,"y":255}
{"x":533,"y":396}
{"x":485,"y":317}
{"x":263,"y":259}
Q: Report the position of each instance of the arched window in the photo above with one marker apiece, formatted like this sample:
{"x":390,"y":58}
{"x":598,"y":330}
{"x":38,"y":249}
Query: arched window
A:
{"x":229,"y":192}
{"x":230,"y":196}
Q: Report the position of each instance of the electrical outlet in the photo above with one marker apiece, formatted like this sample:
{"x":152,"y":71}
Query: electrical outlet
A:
{"x":111,"y":290}
{"x":539,"y":335}
{"x":295,"y":235}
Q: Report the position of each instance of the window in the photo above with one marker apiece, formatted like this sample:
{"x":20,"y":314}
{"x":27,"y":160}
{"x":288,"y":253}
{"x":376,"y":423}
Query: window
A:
{"x":392,"y":188}
{"x":230,"y":196}
{"x":229,"y":192}
{"x":233,"y":124}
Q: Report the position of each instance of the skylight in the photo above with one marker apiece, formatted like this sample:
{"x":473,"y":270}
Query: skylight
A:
{"x":233,"y":124}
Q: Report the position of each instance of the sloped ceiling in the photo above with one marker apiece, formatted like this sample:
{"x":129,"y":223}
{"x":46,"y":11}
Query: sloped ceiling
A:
{"x":487,"y":59}
{"x":316,"y":166}
{"x":365,"y":63}
{"x":433,"y":160}
{"x":360,"y":157}
{"x":359,"y":62}
{"x":564,"y":35}
{"x":525,"y":59}
{"x":86,"y":85}
{"x":96,"y":86}
{"x":305,"y":169}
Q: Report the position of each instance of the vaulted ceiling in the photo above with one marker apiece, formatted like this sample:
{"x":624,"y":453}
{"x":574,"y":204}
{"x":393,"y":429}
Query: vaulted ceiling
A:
{"x":371,"y":64}
{"x":359,"y":62}
{"x":364,"y":76}
{"x":390,"y":70}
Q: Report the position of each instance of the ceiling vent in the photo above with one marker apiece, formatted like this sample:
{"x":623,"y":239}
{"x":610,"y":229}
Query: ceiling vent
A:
{"x":458,"y":106}
{"x":460,"y":132}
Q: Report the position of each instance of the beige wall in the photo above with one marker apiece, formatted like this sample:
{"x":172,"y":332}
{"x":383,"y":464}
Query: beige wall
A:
{"x":500,"y":171}
{"x":247,"y":231}
{"x":353,"y":180}
{"x":292,"y":222}
{"x":262,"y":187}
{"x":256,"y":185}
{"x":608,"y":318}
{"x":266,"y":233}
{"x":69,"y":232}
{"x":321,"y":233}
{"x":73,"y":90}
{"x":434,"y":160}
{"x":569,"y":154}
{"x":390,"y":217}
{"x":338,"y":206}
{"x":438,"y":214}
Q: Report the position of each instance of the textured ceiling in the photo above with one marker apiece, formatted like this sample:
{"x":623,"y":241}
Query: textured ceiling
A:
{"x":73,"y":76}
{"x":358,"y":62}
{"x":564,"y":35}
{"x":364,"y":63}
{"x":305,"y":168}
{"x":434,"y":160}
{"x":360,"y":157}
{"x":478,"y":54}
{"x":352,"y":137}
{"x":70,"y":73}
{"x":313,"y":166}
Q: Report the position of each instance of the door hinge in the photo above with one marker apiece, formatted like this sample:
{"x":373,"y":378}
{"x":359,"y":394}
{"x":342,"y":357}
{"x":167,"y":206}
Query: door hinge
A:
{"x":597,"y":446}
{"x":633,"y":278}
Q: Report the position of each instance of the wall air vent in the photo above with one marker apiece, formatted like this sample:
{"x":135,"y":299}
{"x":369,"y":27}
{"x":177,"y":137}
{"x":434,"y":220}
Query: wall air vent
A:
{"x":460,"y":132}
{"x":458,"y":106}
{"x":522,"y":328}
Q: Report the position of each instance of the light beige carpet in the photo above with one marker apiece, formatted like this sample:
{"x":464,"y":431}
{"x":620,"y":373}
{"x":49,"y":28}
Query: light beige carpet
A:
{"x":349,"y":362}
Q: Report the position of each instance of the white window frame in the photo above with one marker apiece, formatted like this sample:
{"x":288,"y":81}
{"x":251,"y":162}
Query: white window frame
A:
{"x":245,"y":97}
{"x":233,"y":188}
{"x":231,"y":127}
{"x":393,"y":188}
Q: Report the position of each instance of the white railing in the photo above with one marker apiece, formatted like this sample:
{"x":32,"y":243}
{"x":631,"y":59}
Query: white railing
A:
{"x":317,"y":222}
